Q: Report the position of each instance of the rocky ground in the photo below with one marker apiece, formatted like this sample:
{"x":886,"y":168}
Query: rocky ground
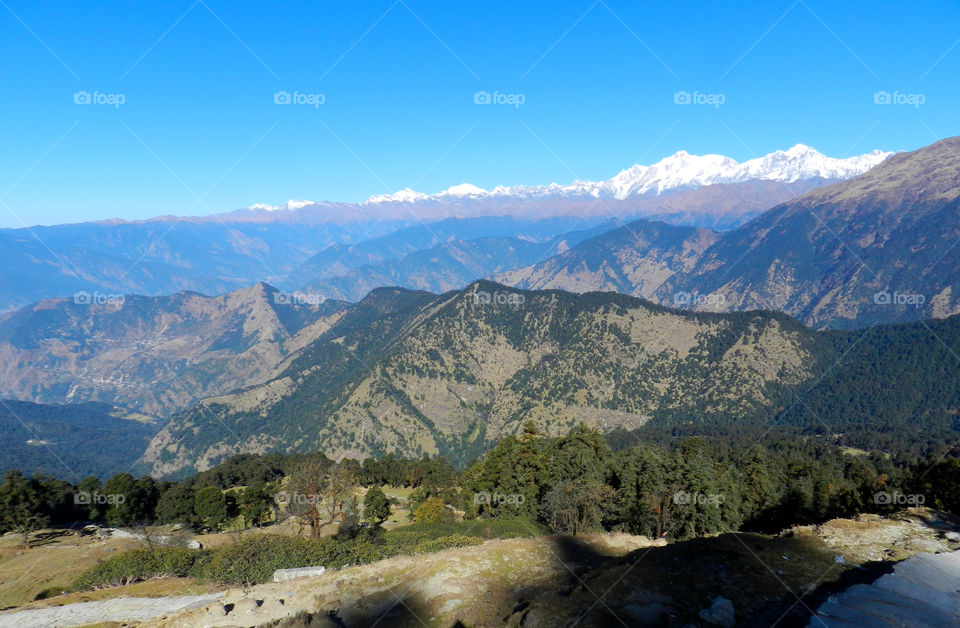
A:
{"x":602,"y":580}
{"x":597,"y":580}
{"x":922,"y":591}
{"x":127,"y":609}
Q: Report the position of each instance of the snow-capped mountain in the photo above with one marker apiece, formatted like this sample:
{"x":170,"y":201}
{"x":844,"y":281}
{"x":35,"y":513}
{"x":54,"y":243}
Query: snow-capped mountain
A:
{"x":678,"y":171}
{"x":684,"y":189}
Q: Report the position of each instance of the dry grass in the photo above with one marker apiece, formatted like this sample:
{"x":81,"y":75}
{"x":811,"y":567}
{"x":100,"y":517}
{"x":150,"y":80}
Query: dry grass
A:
{"x":25,"y":573}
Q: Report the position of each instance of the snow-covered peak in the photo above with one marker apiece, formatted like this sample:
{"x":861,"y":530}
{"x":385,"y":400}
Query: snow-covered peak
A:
{"x":288,"y":206}
{"x":464,"y":189}
{"x":405,"y":195}
{"x":678,"y":171}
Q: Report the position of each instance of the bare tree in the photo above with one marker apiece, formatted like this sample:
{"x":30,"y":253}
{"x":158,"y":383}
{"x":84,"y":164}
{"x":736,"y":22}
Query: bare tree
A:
{"x":320,"y":494}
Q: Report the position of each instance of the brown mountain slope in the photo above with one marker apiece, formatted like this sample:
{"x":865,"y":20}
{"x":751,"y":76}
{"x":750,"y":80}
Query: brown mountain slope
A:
{"x":878,"y":248}
{"x":417,"y":373}
{"x":152,"y":354}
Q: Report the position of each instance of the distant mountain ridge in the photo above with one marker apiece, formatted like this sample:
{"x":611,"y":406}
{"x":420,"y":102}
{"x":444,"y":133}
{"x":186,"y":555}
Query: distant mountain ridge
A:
{"x":680,"y":170}
{"x":153,"y":355}
{"x":223,"y":252}
{"x":878,"y":248}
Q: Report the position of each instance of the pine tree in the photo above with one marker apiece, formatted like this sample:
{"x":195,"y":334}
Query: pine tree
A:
{"x":376,"y":506}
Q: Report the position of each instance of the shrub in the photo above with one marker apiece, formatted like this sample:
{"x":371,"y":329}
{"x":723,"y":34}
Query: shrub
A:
{"x":432,"y":510}
{"x":143,"y":564}
{"x":254,"y":560}
{"x":446,"y":542}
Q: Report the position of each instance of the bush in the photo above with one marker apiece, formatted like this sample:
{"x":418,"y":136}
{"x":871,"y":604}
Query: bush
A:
{"x":432,"y":510}
{"x":446,"y":542}
{"x":138,"y":565}
{"x":483,"y":529}
{"x":253,"y":560}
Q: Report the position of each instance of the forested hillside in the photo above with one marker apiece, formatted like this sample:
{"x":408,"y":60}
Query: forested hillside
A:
{"x":416,"y":374}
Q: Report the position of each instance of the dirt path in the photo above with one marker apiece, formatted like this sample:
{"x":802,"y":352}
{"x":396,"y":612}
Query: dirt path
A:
{"x":118,"y":609}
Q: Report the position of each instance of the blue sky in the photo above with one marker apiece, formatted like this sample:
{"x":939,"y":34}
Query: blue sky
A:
{"x":597,"y":79}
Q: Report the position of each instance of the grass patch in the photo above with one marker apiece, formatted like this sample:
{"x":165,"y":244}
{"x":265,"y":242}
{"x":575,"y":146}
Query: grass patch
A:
{"x":253,"y":560}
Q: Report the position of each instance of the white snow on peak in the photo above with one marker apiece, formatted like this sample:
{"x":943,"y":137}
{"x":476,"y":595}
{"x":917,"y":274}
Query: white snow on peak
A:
{"x":405,"y":195}
{"x":680,"y":170}
{"x":464,"y":189}
{"x":288,"y":206}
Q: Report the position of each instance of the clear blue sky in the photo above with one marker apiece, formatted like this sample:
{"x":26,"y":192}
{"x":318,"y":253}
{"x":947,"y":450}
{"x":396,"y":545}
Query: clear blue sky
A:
{"x":398,"y":80}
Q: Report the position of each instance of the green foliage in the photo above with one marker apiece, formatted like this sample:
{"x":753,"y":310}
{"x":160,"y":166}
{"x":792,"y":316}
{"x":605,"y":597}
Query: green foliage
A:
{"x":432,"y":510}
{"x":143,"y":564}
{"x":446,"y":542}
{"x":256,"y":502}
{"x":23,"y":506}
{"x":176,"y":505}
{"x":129,"y":501}
{"x":376,"y":506}
{"x":576,"y":506}
{"x":210,"y":507}
{"x":253,"y":560}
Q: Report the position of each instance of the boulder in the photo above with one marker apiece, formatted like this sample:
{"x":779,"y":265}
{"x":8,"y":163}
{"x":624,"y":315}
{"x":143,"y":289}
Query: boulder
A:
{"x":282,"y":575}
{"x":720,"y":613}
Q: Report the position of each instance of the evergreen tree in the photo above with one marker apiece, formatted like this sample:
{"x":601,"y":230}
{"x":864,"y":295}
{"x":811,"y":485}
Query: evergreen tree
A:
{"x":23,"y":508}
{"x":176,"y":505}
{"x":376,"y":506}
{"x":210,"y":507}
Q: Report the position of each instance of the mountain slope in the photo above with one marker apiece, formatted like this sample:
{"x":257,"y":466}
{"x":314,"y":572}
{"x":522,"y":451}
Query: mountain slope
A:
{"x":159,"y":256}
{"x":447,"y":266}
{"x":378,"y":255}
{"x":634,"y":259}
{"x":152,"y":354}
{"x":223,"y":252}
{"x":878,"y":248}
{"x":416,"y":373}
{"x":448,"y":374}
{"x":70,"y":441}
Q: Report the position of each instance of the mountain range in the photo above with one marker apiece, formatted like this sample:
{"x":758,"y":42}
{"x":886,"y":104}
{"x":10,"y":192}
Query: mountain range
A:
{"x":678,"y":171}
{"x":224,"y":252}
{"x":381,"y":338}
{"x":877,"y":248}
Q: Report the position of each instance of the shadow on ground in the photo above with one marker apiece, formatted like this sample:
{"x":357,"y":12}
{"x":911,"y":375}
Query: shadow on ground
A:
{"x":769,"y":580}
